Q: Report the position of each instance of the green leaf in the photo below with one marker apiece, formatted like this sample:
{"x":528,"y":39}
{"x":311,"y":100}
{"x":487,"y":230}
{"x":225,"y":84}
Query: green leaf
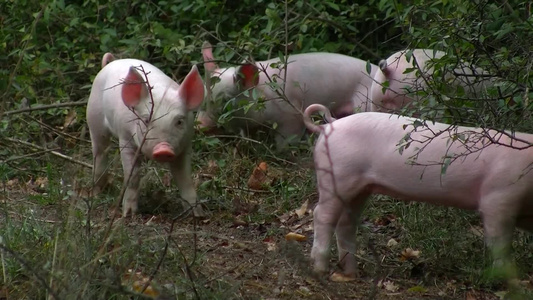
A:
{"x":333,"y":5}
{"x":417,"y":289}
{"x":445,"y":164}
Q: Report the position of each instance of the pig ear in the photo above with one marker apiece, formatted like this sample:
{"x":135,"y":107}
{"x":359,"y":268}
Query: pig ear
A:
{"x":133,"y":89}
{"x":107,"y":58}
{"x":207,"y":53}
{"x":384,"y":67}
{"x":247,"y":76}
{"x":191,"y":90}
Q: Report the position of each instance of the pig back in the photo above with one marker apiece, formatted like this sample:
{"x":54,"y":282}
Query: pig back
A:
{"x":333,"y":80}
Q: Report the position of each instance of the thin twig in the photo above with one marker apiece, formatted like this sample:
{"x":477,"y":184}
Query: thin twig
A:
{"x":136,"y":158}
{"x":30,"y":269}
{"x":58,"y":132}
{"x":54,"y":257}
{"x":254,"y":141}
{"x":377,"y":277}
{"x":61,"y":155}
{"x":160,"y":262}
{"x":20,"y":157}
{"x":188,"y":270}
{"x":245,"y":190}
{"x":45,"y":107}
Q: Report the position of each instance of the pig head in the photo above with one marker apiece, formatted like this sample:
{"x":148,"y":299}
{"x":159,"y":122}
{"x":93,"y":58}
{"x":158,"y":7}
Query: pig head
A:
{"x":147,"y":111}
{"x":272,"y":92}
{"x":406,"y":73}
{"x":379,"y":153}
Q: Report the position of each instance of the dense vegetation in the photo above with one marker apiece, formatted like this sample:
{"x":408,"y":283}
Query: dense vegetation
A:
{"x":51,"y":52}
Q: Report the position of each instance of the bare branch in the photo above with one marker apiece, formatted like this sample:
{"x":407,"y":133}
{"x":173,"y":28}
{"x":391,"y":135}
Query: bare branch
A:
{"x":45,"y":107}
{"x":60,"y":155}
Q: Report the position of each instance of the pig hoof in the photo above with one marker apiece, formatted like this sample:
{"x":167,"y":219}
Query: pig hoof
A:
{"x":198,"y":212}
{"x":128,"y":210}
{"x":340,"y":277}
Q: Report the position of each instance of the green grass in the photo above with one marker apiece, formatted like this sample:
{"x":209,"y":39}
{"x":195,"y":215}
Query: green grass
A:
{"x":55,"y":239}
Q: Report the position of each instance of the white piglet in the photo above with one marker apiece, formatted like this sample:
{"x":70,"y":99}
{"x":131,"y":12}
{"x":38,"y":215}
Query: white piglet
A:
{"x":379,"y":153}
{"x":407,"y":72}
{"x":121,"y":105}
{"x":338,"y":81}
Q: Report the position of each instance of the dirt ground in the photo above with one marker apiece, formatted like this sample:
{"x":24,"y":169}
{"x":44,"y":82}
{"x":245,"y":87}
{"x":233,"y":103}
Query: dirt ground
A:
{"x":238,"y":257}
{"x":237,"y":254}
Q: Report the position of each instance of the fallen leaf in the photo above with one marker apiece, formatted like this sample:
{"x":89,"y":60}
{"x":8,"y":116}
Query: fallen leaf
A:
{"x":41,"y":182}
{"x":308,"y":228}
{"x":292,"y":236}
{"x":391,"y":243}
{"x":284,"y":218}
{"x":138,"y":281}
{"x":70,"y":119}
{"x":305,"y":291}
{"x":302,"y":210}
{"x":244,"y":207}
{"x":501,"y":294}
{"x":212,"y":167}
{"x":148,"y":291}
{"x":239,"y":245}
{"x":271,"y":243}
{"x":224,"y":243}
{"x":470,"y":296}
{"x":409,"y":253}
{"x":258,"y":180}
{"x":12,"y":183}
{"x":339,"y":277}
{"x":237,"y":221}
{"x":150,"y":221}
{"x":269,"y":239}
{"x":38,"y":185}
{"x":271,"y":246}
{"x":390,"y":286}
{"x":385,"y":220}
{"x":476,"y":231}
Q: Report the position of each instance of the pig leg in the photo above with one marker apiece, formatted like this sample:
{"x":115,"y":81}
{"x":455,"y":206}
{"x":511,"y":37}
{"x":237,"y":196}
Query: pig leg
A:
{"x":346,"y":231}
{"x":499,"y":222}
{"x":131,"y":167}
{"x":292,"y":128}
{"x":100,"y":167}
{"x":181,"y":171}
{"x":325,"y":217}
{"x":100,"y":138}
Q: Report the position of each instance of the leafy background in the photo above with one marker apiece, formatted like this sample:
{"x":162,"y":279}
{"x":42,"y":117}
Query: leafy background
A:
{"x":50,"y":51}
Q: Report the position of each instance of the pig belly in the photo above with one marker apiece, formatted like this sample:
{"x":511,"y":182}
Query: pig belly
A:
{"x":392,"y":175}
{"x":464,"y":199}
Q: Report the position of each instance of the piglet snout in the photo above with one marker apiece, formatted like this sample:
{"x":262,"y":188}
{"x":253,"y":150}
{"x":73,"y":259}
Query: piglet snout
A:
{"x":163,"y":152}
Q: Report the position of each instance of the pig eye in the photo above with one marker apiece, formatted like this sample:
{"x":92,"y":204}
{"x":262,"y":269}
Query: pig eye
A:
{"x":179,"y":122}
